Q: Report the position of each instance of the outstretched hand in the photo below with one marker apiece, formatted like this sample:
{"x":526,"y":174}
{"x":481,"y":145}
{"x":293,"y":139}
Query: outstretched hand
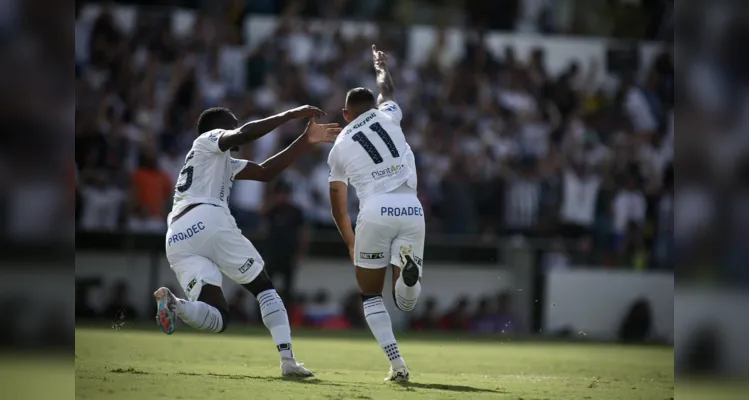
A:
{"x":322,"y":133}
{"x":380,"y":58}
{"x":306,"y":112}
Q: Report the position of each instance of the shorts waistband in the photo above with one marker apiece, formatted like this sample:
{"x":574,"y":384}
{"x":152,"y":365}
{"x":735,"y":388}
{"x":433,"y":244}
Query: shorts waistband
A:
{"x":403,"y":189}
{"x":188,"y":209}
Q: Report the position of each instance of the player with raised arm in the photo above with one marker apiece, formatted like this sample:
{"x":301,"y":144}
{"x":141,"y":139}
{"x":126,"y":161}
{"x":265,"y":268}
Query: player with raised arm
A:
{"x":371,"y":153}
{"x":203,"y":239}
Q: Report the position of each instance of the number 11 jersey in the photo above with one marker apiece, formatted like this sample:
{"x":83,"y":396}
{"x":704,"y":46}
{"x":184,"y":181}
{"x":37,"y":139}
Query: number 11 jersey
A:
{"x":371,"y":154}
{"x":207,"y":176}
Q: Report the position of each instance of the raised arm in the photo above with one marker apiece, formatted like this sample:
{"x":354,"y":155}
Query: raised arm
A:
{"x":256,"y":129}
{"x":270,"y":168}
{"x":384,"y":80}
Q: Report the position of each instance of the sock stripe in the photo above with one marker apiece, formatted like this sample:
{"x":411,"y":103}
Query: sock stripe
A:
{"x":374,"y":313}
{"x":275,"y":318}
{"x":266,"y":294}
{"x":266,"y":302}
{"x":202,"y":324}
{"x":271,"y":313}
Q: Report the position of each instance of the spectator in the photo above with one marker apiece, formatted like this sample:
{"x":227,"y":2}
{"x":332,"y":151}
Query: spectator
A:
{"x":506,"y":320}
{"x":638,"y":107}
{"x":172,"y":160}
{"x":102,"y":203}
{"x":296,"y":313}
{"x":457,"y":205}
{"x":628,"y":207}
{"x":139,"y":221}
{"x":353,"y":311}
{"x":457,"y":319}
{"x":664,"y":237}
{"x":522,"y":202}
{"x":119,"y":307}
{"x":286,"y":239}
{"x":428,"y":319}
{"x":320,"y":310}
{"x":247,"y":198}
{"x":579,"y":195}
{"x":484,"y":319}
{"x":633,"y":250}
{"x":151,"y":190}
{"x":238,"y":307}
{"x":557,"y":258}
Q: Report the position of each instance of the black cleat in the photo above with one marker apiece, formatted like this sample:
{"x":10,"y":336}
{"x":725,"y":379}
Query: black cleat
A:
{"x":409,"y":269}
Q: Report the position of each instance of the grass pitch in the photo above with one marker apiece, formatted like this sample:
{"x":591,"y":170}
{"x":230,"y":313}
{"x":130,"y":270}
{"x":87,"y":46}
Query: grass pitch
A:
{"x":146,"y":364}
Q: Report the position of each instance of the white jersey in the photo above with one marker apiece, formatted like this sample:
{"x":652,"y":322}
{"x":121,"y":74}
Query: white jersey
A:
{"x":207,"y":176}
{"x":371,"y":154}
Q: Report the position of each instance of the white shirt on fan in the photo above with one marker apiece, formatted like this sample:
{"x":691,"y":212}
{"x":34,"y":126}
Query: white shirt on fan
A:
{"x":207,"y":176}
{"x":579,"y":196}
{"x":629,"y":206}
{"x":372,"y":155}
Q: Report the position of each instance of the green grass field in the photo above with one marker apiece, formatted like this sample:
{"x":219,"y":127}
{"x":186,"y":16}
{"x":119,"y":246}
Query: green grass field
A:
{"x":146,"y":364}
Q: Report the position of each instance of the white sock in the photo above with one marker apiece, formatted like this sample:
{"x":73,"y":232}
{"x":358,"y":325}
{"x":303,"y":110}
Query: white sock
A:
{"x":406,"y":297}
{"x":276,"y":320}
{"x":199,"y":315}
{"x":379,"y":323}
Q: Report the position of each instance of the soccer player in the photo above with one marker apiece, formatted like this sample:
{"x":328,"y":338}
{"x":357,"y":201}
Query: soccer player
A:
{"x":203,"y":240}
{"x":371,"y":153}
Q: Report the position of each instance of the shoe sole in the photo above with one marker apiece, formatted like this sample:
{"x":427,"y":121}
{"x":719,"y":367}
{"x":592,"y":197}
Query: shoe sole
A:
{"x":410,"y":271}
{"x":164,"y":316}
{"x":297,"y":374}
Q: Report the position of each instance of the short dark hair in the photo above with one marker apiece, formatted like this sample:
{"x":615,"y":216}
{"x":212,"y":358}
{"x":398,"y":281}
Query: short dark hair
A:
{"x":216,"y":118}
{"x":358,"y":97}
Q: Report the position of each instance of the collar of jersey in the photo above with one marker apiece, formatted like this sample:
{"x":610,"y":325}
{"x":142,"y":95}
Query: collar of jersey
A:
{"x":361,"y":116}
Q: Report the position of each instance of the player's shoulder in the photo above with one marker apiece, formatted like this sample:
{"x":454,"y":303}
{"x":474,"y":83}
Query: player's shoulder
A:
{"x":210,"y":136}
{"x":389,"y":106}
{"x":207,"y":142}
{"x":337,"y":144}
{"x":391,"y":110}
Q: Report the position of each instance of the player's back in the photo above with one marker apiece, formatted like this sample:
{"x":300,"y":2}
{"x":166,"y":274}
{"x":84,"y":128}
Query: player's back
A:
{"x":207,"y":176}
{"x":372,"y":154}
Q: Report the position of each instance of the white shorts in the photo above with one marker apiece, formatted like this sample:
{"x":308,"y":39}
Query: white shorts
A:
{"x":206,"y":242}
{"x":386,"y":223}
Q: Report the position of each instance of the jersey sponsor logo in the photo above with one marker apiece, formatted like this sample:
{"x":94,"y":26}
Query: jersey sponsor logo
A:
{"x":188,"y":233}
{"x":391,"y":107}
{"x":191,"y":285}
{"x":371,"y":256}
{"x":401,"y":211}
{"x":246,"y":267}
{"x":388,"y":172}
{"x":360,"y":124}
{"x":213,"y":137}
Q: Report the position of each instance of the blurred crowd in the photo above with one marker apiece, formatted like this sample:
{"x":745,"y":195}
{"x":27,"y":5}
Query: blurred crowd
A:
{"x":503,"y":147}
{"x":486,"y":314}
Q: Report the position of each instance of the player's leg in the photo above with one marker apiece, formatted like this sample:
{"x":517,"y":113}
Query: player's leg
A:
{"x":241,"y":262}
{"x":205,"y":308}
{"x":407,"y":253}
{"x":371,"y":257}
